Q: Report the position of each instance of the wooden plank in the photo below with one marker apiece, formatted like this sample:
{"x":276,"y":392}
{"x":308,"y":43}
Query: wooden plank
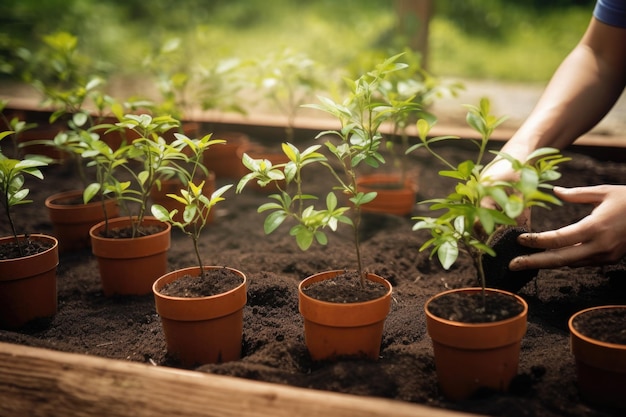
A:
{"x":38,"y":382}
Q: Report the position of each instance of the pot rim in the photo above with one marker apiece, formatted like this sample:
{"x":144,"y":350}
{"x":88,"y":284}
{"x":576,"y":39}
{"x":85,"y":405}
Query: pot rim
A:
{"x":587,"y":339}
{"x":159,"y":283}
{"x":519,"y":299}
{"x":370,"y":181}
{"x":50,"y":201}
{"x":49,"y":259}
{"x":36,"y":235}
{"x":331,"y":274}
{"x":123,"y":219}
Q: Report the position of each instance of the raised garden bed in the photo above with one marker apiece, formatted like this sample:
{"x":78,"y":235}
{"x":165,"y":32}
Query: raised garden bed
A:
{"x":127,"y":329}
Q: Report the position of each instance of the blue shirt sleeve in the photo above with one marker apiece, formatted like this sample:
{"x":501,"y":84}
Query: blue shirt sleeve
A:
{"x":611,"y":12}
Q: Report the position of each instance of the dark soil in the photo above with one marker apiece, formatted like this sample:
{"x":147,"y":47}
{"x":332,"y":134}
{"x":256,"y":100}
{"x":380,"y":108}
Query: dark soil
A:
{"x":212,"y":282}
{"x":474,"y":308}
{"x":607,"y":325}
{"x":345,"y":288}
{"x":128,"y":329}
{"x":497,"y":273}
{"x":25,"y":247}
{"x":127,"y":232}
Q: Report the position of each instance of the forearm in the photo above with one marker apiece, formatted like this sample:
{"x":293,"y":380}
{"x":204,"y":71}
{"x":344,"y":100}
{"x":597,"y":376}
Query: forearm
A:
{"x":583,"y":89}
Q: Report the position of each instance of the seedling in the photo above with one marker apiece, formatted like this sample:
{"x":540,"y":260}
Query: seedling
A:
{"x":12,"y":173}
{"x":195,"y":215}
{"x":466,"y":222}
{"x":197,"y":206}
{"x":158,"y":160}
{"x":356,"y":142}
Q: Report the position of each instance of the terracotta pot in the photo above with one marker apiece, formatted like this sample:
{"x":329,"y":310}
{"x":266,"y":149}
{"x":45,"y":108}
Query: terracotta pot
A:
{"x":225,"y":159}
{"x":334,"y":330}
{"x":470,"y":356}
{"x":204,"y":329}
{"x":600,"y":366}
{"x":394,"y":196}
{"x":28,"y":285}
{"x":71,"y":221}
{"x":173,"y":186}
{"x":130,"y":266}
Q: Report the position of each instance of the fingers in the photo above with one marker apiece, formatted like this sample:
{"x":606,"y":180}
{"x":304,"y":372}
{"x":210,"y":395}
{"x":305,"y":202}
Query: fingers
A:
{"x":573,"y":256}
{"x":582,"y":195}
{"x":554,"y":239}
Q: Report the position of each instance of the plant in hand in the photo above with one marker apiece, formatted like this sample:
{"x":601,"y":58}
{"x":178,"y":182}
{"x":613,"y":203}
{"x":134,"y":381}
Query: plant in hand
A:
{"x":464,"y":222}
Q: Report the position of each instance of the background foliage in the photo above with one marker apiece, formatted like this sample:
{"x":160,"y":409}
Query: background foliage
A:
{"x":499,"y":39}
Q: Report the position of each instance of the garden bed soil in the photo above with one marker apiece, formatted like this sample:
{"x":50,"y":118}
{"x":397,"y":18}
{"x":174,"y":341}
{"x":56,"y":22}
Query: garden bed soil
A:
{"x":128,"y":328}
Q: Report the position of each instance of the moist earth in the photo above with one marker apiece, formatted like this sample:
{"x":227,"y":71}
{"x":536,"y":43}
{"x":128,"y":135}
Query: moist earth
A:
{"x":128,"y":328}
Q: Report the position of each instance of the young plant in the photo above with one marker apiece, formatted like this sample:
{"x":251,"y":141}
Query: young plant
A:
{"x":14,"y":193}
{"x":197,"y":206}
{"x":62,"y":74}
{"x":465,"y":222}
{"x":195,"y":215}
{"x":291,"y":200}
{"x":411,"y":91}
{"x":16,"y":127}
{"x":157,"y":158}
{"x":359,"y":142}
{"x":288,"y":79}
{"x":173,"y":78}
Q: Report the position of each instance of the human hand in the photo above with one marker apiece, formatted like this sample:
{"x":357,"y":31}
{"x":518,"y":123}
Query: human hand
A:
{"x":599,"y":238}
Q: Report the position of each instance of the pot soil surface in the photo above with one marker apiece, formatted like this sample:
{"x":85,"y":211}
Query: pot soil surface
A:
{"x":128,"y":329}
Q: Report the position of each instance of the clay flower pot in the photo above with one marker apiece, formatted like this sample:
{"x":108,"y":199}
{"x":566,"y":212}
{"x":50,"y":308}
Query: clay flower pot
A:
{"x":394,"y":196}
{"x":204,"y":329}
{"x":471,"y":356}
{"x":225,"y":159}
{"x":130,"y":266}
{"x":71,"y":218}
{"x":28,"y":285}
{"x":333,"y":330}
{"x":600,"y":365}
{"x":173,"y":186}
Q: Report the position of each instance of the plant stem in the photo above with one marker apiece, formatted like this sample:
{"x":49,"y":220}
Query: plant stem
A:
{"x":12,"y":224}
{"x":194,"y":238}
{"x":357,"y":244}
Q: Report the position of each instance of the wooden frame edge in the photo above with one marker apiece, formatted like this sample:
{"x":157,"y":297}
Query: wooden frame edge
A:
{"x":41,"y":382}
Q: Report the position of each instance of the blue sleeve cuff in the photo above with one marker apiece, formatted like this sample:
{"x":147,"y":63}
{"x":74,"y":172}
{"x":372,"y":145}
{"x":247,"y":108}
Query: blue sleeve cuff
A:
{"x":611,"y":12}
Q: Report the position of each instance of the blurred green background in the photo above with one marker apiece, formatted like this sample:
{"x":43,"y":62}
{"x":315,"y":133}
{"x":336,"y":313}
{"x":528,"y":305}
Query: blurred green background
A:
{"x":479,"y":39}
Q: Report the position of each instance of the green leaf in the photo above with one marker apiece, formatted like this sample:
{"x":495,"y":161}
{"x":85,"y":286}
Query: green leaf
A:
{"x":304,"y":237}
{"x":143,"y":176}
{"x":273,"y":220}
{"x":160,"y":212}
{"x":6,"y":133}
{"x":90,"y":192}
{"x":448,"y":253}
